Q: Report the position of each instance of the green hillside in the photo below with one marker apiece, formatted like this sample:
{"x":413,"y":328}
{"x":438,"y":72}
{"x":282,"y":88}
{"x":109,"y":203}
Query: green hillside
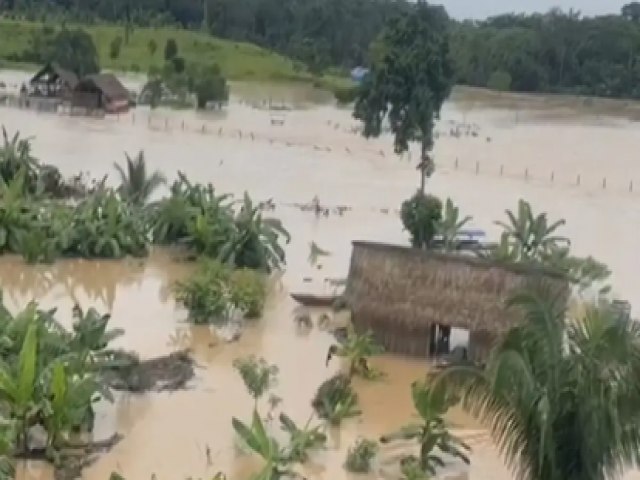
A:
{"x":238,"y":61}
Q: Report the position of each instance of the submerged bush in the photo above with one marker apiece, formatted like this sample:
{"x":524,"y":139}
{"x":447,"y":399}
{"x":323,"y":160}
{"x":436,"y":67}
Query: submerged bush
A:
{"x":335,"y":400}
{"x":360,"y":456}
{"x":206,"y":294}
{"x":258,"y":376}
{"x":248,"y":292}
{"x":216,"y":291}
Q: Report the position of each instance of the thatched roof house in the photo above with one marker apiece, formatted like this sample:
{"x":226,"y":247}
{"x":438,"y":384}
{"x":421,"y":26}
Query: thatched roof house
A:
{"x":400,"y":292}
{"x":102,"y":91}
{"x":53,"y":81}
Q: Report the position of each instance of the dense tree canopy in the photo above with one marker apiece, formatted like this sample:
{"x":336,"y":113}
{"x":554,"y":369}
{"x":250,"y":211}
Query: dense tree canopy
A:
{"x":553,"y":52}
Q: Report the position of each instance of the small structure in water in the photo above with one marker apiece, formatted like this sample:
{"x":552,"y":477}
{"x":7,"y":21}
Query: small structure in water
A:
{"x":53,"y":81}
{"x":100,"y":92}
{"x":411,"y":299}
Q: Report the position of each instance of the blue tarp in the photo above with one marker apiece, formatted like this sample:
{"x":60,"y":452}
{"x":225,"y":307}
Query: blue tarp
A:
{"x":358,"y":73}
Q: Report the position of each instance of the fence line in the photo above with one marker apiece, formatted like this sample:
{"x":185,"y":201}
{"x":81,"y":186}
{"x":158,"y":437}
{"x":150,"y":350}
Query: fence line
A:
{"x":478,"y":168}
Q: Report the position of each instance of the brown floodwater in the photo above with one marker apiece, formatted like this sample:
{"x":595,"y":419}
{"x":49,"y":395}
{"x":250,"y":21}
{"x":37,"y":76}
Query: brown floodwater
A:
{"x":517,"y":147}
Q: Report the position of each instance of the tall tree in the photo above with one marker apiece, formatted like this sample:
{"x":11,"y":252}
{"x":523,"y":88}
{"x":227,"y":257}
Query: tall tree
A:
{"x":411,"y":77}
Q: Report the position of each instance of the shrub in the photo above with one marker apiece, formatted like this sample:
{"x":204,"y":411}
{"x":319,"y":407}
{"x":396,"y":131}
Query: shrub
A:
{"x":345,"y":95}
{"x":170,"y":49}
{"x":359,"y":456}
{"x":248,"y":292}
{"x":335,"y":400}
{"x":206,"y":294}
{"x":114,"y":48}
{"x":499,"y":80}
{"x":420,"y":217}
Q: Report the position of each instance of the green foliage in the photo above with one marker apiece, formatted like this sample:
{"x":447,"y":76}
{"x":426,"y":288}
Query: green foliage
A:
{"x":346,"y":95}
{"x":248,"y":292}
{"x":301,"y":440}
{"x":254,"y":241}
{"x":450,"y":225}
{"x":411,"y":76}
{"x":152,"y":46}
{"x":50,"y":376}
{"x":73,"y":50}
{"x":170,"y":49}
{"x":360,"y":456}
{"x":557,"y":389}
{"x":106,"y":227}
{"x":499,"y":80}
{"x":114,"y":48}
{"x":335,"y":400}
{"x":432,"y":434}
{"x":530,"y":238}
{"x":421,"y":215}
{"x":258,"y":376}
{"x":356,"y":349}
{"x":16,"y":156}
{"x":135,"y":185}
{"x":206,"y":293}
{"x":209,"y":86}
{"x":257,"y":439}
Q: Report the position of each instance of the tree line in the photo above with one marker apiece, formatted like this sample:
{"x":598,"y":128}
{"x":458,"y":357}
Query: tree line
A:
{"x":557,"y":51}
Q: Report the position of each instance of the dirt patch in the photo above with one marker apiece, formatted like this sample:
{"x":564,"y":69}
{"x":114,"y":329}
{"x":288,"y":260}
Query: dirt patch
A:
{"x":167,"y":373}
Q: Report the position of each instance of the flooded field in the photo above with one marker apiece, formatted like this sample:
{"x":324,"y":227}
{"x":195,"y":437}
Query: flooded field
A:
{"x":566,"y":158}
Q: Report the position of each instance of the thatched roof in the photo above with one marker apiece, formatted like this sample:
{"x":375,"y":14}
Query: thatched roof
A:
{"x":54,"y":71}
{"x":399,"y":289}
{"x":107,"y":83}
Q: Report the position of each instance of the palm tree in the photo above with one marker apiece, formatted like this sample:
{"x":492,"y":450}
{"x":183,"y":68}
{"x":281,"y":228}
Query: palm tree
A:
{"x":135,"y":184}
{"x":561,"y":397}
{"x":531,"y":235}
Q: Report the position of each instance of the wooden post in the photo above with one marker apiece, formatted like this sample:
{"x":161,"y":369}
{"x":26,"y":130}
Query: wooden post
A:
{"x":553,"y":176}
{"x":203,"y":128}
{"x":166,"y":124}
{"x":526,"y":174}
{"x":631,"y":186}
{"x":456,"y":164}
{"x":578,"y":180}
{"x":182,"y":125}
{"x":604,"y":183}
{"x":477,"y":167}
{"x":501,"y":170}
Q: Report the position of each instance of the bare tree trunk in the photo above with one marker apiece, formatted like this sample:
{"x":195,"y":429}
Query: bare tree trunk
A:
{"x":422,"y":168}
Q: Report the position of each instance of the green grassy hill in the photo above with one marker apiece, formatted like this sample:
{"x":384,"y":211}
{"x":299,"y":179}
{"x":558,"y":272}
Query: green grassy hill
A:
{"x":238,"y":61}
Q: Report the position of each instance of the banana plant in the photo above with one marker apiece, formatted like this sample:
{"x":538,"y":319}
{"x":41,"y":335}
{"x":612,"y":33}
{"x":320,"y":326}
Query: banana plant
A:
{"x":531,"y":235}
{"x":255,"y":241}
{"x":18,"y":387}
{"x":14,"y":208}
{"x":301,"y":440}
{"x":431,"y":434}
{"x":448,"y":228}
{"x":67,"y":404}
{"x":256,"y":438}
{"x":356,"y":349}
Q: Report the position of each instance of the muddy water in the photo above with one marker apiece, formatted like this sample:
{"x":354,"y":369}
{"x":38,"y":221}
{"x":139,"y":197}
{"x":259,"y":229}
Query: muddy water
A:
{"x":518,"y":148}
